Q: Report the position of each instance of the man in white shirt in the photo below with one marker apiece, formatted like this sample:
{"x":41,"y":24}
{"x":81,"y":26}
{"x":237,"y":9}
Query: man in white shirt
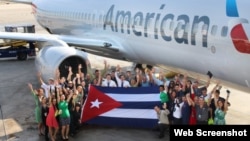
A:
{"x":50,"y":87}
{"x":177,"y":112}
{"x":108,"y":82}
{"x":121,"y":82}
{"x":163,"y":123}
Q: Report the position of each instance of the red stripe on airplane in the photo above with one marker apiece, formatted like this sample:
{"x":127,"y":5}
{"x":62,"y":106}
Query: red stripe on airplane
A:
{"x":240,"y":39}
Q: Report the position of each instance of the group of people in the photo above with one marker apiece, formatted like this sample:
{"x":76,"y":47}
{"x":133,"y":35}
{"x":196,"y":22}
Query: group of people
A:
{"x":58,"y":105}
{"x":59,"y":102}
{"x":185,"y":103}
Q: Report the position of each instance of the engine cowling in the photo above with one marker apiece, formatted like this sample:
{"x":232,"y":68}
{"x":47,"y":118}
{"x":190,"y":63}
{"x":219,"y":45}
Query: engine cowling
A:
{"x":50,"y":58}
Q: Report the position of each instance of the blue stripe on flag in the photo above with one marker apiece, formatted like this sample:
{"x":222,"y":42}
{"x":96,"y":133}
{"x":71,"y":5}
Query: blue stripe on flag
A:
{"x":124,"y":122}
{"x":134,"y":90}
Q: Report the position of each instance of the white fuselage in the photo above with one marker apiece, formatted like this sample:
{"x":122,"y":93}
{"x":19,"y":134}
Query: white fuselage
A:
{"x":183,"y":34}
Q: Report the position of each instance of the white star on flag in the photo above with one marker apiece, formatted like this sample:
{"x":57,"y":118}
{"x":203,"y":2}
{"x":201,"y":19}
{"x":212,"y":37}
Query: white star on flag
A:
{"x":95,"y":103}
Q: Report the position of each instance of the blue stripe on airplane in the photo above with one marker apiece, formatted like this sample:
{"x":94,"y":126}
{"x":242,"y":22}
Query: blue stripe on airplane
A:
{"x":231,"y":8}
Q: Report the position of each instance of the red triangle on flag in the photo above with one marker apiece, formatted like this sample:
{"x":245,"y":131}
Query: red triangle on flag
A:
{"x":97,"y":103}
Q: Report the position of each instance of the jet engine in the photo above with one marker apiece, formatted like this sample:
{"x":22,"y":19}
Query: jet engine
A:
{"x":51,"y":58}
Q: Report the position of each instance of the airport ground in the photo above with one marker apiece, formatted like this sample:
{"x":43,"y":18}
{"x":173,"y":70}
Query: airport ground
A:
{"x":17,"y":104}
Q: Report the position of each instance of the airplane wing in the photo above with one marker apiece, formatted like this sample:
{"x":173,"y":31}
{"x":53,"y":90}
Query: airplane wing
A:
{"x":19,"y":1}
{"x":93,"y":46}
{"x":31,"y":37}
{"x":55,"y":51}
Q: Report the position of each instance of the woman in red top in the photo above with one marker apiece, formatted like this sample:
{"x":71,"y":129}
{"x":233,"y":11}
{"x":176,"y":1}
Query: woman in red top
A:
{"x":51,"y":120}
{"x":192,"y":119}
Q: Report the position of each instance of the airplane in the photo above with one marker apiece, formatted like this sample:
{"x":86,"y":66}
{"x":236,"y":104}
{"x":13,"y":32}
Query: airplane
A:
{"x":191,"y":37}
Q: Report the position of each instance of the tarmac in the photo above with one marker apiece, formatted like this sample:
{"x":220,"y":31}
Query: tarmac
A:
{"x":17,"y":104}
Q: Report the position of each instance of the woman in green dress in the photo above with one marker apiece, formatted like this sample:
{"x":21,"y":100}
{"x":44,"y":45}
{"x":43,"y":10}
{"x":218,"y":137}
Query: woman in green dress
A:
{"x":221,"y":110}
{"x":38,"y":95}
{"x":63,"y":105}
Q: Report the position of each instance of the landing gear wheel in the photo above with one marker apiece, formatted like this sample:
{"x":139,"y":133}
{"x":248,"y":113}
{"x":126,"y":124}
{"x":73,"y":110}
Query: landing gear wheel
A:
{"x":22,"y":56}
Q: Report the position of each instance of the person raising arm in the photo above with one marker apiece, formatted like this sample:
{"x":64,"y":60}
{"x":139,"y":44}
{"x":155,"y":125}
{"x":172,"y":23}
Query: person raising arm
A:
{"x":38,"y":95}
{"x":64,"y":114}
{"x":221,"y":110}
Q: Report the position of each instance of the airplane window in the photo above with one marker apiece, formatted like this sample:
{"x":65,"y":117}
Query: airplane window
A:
{"x":131,"y":21}
{"x":214,"y":30}
{"x":171,"y":26}
{"x":204,"y":29}
{"x":104,"y":18}
{"x":179,"y":25}
{"x":149,"y":22}
{"x":224,"y":31}
{"x":93,"y":17}
{"x":187,"y":27}
{"x":89,"y":16}
{"x":126,"y":20}
{"x":82,"y":17}
{"x":136,"y":21}
{"x":100,"y":18}
{"x":195,"y":28}
{"x":78,"y":15}
{"x":179,"y":30}
{"x":86,"y":16}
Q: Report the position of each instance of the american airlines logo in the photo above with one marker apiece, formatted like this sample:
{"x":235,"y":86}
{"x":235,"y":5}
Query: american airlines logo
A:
{"x":238,"y":34}
{"x":158,"y":24}
{"x":141,"y":24}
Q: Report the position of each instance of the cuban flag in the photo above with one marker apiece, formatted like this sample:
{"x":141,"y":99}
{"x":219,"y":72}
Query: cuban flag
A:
{"x":123,"y":107}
